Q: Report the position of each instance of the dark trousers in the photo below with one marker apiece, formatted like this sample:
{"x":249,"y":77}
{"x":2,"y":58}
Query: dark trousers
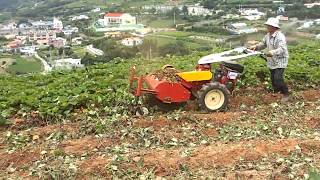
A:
{"x":277,"y":79}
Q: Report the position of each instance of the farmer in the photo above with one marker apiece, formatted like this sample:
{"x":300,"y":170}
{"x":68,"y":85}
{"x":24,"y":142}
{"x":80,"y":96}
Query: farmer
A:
{"x":277,"y":56}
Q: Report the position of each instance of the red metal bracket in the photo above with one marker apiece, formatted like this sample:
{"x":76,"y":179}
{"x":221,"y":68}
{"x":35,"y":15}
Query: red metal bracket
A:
{"x":140,"y":80}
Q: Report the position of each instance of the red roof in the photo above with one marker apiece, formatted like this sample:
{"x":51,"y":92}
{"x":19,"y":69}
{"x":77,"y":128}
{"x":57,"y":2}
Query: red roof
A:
{"x":114,"y":14}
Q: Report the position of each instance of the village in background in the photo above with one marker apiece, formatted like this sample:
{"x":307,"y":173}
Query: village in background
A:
{"x":146,"y":30}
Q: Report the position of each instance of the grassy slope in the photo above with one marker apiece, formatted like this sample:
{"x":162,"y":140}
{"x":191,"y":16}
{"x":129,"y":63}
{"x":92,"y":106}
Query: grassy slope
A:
{"x":26,"y":65}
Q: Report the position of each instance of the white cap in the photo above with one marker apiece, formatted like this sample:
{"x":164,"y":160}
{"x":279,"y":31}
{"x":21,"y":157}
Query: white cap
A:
{"x":274,"y":22}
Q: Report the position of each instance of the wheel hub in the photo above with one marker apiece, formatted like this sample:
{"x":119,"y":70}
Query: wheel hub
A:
{"x":214,"y":99}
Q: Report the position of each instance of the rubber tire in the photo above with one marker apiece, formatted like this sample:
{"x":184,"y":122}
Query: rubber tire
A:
{"x":213,"y":86}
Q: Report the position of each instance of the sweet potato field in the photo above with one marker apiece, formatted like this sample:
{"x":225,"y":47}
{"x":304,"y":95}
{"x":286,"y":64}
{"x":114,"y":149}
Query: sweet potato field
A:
{"x":81,"y":124}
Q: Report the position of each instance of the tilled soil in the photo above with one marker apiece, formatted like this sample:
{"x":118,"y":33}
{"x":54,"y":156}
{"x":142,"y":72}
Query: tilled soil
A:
{"x":257,"y":138}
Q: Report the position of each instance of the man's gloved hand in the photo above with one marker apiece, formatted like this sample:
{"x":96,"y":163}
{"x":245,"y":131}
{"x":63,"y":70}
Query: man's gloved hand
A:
{"x":269,"y":54}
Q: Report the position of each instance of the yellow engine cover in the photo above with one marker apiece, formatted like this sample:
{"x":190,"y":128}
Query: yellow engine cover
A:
{"x":196,"y":76}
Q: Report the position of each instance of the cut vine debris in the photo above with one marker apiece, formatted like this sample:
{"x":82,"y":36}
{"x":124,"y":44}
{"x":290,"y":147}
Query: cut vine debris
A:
{"x":168,"y":74}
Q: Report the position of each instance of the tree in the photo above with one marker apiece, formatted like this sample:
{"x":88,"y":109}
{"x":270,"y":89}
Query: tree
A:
{"x":88,"y":59}
{"x":177,"y":48}
{"x":153,"y":11}
{"x":174,"y":11}
{"x":210,"y":4}
{"x":185,"y":10}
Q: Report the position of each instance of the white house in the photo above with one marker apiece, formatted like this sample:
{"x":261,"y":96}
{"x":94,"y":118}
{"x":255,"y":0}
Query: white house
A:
{"x":9,"y":26}
{"x":251,"y":14}
{"x":238,"y":25}
{"x":198,"y":11}
{"x":42,"y":24}
{"x":306,"y":25}
{"x":160,"y":8}
{"x":116,"y":19}
{"x":80,"y":17}
{"x":318,"y":36}
{"x":282,"y":18}
{"x":277,"y":2}
{"x":96,"y":10}
{"x":70,"y":30}
{"x":68,"y":63}
{"x":311,"y":5}
{"x":77,"y":41}
{"x":317,"y":21}
{"x":252,"y":17}
{"x":95,"y":51}
{"x":231,"y":16}
{"x":57,"y":24}
{"x":29,"y":50}
{"x":240,"y":28}
{"x":133,"y":41}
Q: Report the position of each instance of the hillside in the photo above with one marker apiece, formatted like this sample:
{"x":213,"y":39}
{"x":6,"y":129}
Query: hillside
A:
{"x":81,"y":123}
{"x":49,"y":8}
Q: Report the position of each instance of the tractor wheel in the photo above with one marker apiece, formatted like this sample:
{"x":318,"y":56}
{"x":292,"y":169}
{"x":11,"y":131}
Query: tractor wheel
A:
{"x":213,"y":97}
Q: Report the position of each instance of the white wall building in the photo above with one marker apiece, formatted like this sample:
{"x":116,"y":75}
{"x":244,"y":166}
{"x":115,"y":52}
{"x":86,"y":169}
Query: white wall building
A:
{"x":282,"y":18}
{"x":116,"y":19}
{"x":198,"y":11}
{"x":42,"y":24}
{"x":160,"y":8}
{"x":77,"y":41}
{"x":317,"y":21}
{"x":133,"y":41}
{"x":240,"y":28}
{"x":251,"y":14}
{"x":306,"y":25}
{"x":81,"y":17}
{"x":96,"y":10}
{"x":231,"y":16}
{"x":70,"y":30}
{"x":57,"y":24}
{"x":252,"y":17}
{"x":9,"y":26}
{"x":29,"y":50}
{"x":68,"y":63}
{"x":311,"y":5}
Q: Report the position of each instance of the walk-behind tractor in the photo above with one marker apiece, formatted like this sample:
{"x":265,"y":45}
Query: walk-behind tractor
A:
{"x":211,"y":88}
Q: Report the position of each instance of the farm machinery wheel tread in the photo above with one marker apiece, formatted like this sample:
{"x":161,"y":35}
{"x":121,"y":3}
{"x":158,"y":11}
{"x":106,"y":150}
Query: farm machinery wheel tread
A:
{"x":213,"y":97}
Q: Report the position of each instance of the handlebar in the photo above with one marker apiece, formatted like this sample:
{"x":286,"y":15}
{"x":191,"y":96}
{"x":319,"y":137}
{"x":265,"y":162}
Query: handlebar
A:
{"x":262,"y":54}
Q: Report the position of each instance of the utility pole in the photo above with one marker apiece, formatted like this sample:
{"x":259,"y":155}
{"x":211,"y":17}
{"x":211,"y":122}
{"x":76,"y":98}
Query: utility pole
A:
{"x":240,"y":5}
{"x":174,"y":16}
{"x":150,"y":51}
